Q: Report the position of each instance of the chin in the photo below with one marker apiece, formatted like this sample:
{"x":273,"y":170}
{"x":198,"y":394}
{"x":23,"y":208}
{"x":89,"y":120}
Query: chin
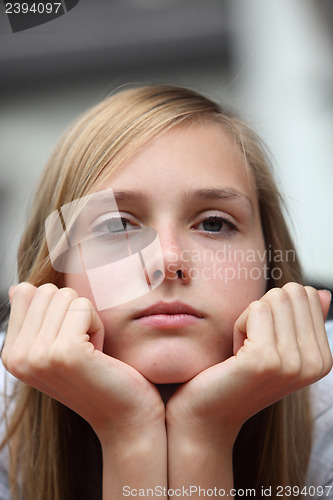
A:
{"x":161,"y":373}
{"x":171,"y":360}
{"x":168,"y":378}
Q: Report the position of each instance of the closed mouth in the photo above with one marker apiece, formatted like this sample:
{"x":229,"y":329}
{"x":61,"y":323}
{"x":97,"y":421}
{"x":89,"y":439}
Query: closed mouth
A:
{"x":169,"y":308}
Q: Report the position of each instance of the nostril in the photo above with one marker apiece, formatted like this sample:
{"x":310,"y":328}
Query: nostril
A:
{"x":180,"y":274}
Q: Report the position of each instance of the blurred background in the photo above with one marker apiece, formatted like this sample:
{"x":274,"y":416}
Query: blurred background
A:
{"x":271,"y":60}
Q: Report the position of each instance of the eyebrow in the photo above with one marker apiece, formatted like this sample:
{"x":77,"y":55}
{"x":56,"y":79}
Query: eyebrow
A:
{"x":225,"y":193}
{"x":220,"y":194}
{"x":130,"y":196}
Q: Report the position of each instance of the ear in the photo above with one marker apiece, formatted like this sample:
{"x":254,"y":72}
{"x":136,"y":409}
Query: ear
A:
{"x":325,"y":300}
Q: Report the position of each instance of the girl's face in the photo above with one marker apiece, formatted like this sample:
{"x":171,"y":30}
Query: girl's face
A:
{"x":190,"y":185}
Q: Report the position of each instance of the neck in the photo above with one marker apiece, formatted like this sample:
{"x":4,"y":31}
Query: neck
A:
{"x":166,"y":391}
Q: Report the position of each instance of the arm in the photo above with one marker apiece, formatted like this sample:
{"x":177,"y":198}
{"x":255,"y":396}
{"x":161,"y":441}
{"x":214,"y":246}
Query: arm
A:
{"x":280,"y":346}
{"x":54,"y":343}
{"x":199,"y":458}
{"x":135,"y":459}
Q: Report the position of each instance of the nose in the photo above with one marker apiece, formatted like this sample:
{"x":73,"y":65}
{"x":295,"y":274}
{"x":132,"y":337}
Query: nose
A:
{"x":174,"y":258}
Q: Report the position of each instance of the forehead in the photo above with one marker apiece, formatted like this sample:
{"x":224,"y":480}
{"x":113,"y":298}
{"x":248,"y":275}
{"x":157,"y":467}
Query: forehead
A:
{"x":187,"y":157}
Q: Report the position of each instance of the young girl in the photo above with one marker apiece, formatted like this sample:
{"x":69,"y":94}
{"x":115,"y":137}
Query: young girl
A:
{"x":177,"y":367}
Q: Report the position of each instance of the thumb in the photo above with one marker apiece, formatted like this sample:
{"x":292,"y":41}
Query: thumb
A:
{"x":325,"y":297}
{"x":239,"y":332}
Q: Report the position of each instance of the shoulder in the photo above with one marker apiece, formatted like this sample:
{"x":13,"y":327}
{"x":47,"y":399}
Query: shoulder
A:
{"x":321,"y":464}
{"x":322,"y":391}
{"x":4,"y":486}
{"x":6,"y":386}
{"x":7,"y":381}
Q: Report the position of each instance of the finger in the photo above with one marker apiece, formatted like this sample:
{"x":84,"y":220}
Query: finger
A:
{"x":11,"y":292}
{"x":311,"y":356}
{"x":325,"y":301}
{"x":82,"y":319}
{"x":255,"y":324}
{"x":284,"y":326}
{"x":302,"y":313}
{"x":35,"y":350}
{"x":36,"y":313}
{"x":55,"y":315}
{"x":319,"y":302}
{"x":21,"y":298}
{"x":239,"y":332}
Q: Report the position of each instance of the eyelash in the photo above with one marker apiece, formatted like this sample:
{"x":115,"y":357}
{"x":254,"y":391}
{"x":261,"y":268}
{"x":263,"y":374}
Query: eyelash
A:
{"x":102,"y":231}
{"x":222,"y":233}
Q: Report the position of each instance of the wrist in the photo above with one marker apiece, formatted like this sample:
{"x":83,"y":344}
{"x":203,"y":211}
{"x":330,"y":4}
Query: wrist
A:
{"x":134,"y":457}
{"x":128,"y":425}
{"x":202,"y":431}
{"x":129,"y":433}
{"x":196,"y":458}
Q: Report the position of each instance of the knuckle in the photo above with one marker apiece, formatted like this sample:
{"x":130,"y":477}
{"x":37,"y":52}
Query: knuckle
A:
{"x":4,"y":356}
{"x":55,"y":357}
{"x":58,"y":358}
{"x":278,"y":295}
{"x":259,"y":306}
{"x":24,"y":286}
{"x":24,"y":289}
{"x":295,"y":289}
{"x":270,"y":362}
{"x":292,"y":366}
{"x":81,"y":304}
{"x":311,"y":291}
{"x":328,"y":363}
{"x":314,"y":369}
{"x":68,"y":292}
{"x":36,"y":360}
{"x":16,"y":364}
{"x":47,"y":289}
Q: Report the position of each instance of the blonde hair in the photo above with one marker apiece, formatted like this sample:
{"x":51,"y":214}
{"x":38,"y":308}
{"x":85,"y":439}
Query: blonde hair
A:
{"x":45,"y":437}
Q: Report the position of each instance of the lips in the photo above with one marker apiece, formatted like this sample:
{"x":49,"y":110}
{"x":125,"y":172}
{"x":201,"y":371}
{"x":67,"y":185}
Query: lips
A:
{"x":168,"y":316}
{"x":171,"y":308}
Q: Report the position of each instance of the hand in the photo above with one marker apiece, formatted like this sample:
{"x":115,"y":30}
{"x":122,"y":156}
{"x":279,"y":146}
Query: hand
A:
{"x":280,"y":346}
{"x":55,"y":344}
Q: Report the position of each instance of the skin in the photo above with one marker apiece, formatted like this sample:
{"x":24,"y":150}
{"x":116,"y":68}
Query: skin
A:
{"x":249,"y":348}
{"x":178,"y":355}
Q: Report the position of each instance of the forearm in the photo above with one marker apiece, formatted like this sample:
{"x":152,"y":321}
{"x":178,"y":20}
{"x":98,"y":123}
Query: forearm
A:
{"x":199,"y":461}
{"x":133,"y":461}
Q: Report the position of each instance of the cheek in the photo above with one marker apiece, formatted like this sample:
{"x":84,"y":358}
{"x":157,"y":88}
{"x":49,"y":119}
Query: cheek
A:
{"x":112,"y":319}
{"x":79,"y":283}
{"x":233,"y":283}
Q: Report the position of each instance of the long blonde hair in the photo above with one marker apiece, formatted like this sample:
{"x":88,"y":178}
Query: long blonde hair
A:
{"x":49,"y":440}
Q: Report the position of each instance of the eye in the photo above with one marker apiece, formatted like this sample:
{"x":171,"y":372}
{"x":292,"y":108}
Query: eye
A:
{"x":216,"y":225}
{"x":113,"y":227}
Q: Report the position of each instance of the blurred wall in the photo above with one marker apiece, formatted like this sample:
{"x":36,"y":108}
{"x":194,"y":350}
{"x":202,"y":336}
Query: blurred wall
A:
{"x":284,"y":52}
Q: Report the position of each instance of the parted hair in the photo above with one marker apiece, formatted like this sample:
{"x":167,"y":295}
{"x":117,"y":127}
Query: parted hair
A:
{"x":50,"y":445}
